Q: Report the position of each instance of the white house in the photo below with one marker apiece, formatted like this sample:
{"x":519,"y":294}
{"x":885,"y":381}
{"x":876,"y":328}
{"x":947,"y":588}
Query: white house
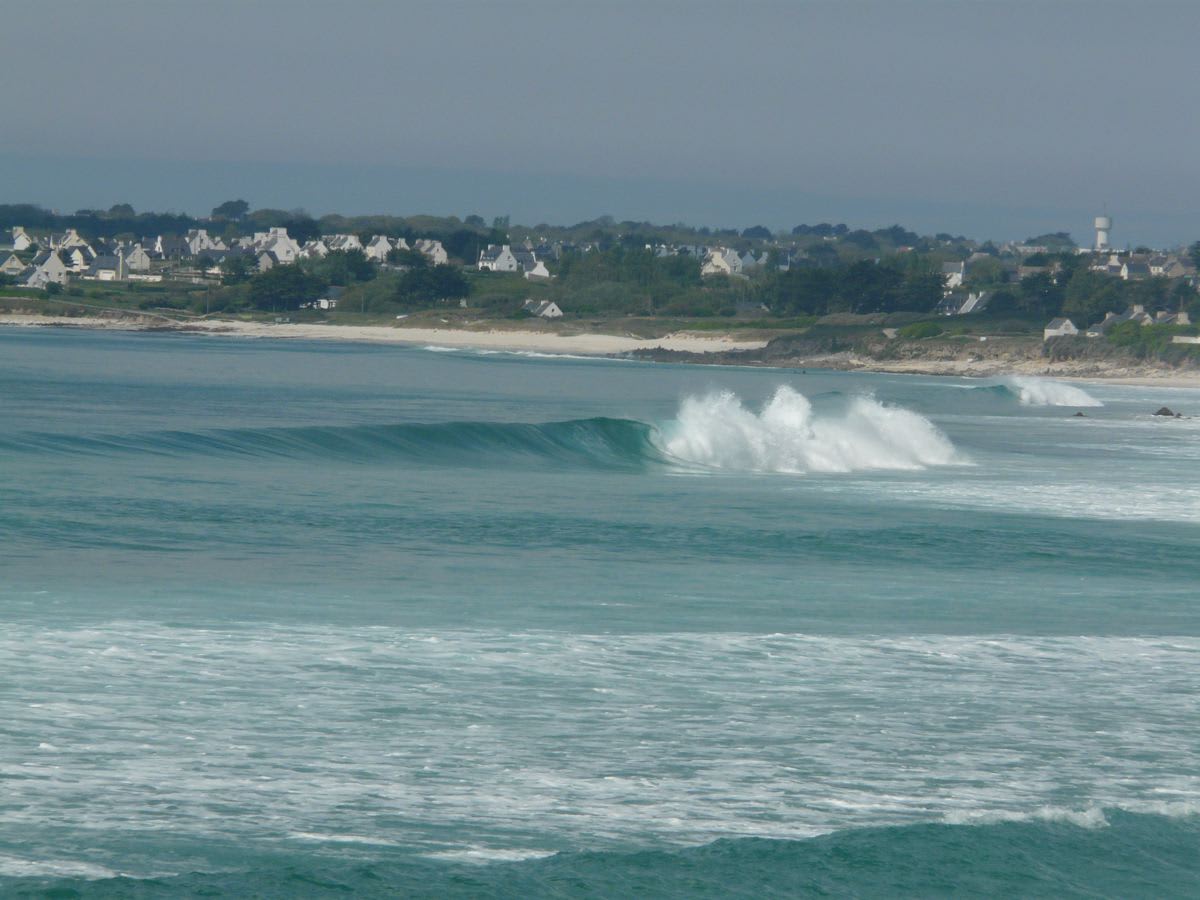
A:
{"x":12,"y":265}
{"x":1134,"y":269}
{"x":378,"y":248}
{"x":434,"y":252}
{"x":722,"y":261}
{"x":343,"y":242}
{"x":198,"y":241}
{"x":315,"y":249}
{"x":71,"y":239}
{"x":546,"y":309}
{"x":1059,"y":328}
{"x":106,"y":268}
{"x":279,"y":244}
{"x":137,"y":259}
{"x":538,"y":273}
{"x":77,"y":257}
{"x":48,"y":268}
{"x":20,"y":239}
{"x":498,"y":259}
{"x":975,"y":303}
{"x":953,"y":275}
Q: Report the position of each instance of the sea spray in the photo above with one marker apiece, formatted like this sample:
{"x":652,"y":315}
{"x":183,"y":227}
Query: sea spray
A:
{"x":717,"y":431}
{"x":1040,"y":392}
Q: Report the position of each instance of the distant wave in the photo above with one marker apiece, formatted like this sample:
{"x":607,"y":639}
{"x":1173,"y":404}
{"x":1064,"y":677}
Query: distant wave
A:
{"x":1029,"y":391}
{"x":598,"y":442}
{"x":787,"y":435}
{"x":1133,"y":855}
{"x":710,"y":432}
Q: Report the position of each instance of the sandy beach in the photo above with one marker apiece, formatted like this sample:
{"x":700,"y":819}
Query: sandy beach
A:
{"x":530,"y":341}
{"x":551,"y":342}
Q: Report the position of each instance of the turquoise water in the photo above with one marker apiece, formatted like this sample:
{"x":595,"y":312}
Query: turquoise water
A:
{"x":296,"y":619}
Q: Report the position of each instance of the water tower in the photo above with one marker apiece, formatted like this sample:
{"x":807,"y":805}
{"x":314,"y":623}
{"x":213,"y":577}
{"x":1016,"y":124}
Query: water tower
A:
{"x":1103,"y":227}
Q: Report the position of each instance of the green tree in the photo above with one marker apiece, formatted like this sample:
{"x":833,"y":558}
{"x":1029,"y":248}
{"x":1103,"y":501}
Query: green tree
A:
{"x":407,"y":257}
{"x":432,"y":284}
{"x":1041,"y":296}
{"x":284,"y":287}
{"x":1089,"y":295}
{"x":237,"y":268}
{"x":231,"y":209}
{"x":986,"y":272}
{"x":302,"y":227}
{"x":342,"y":267}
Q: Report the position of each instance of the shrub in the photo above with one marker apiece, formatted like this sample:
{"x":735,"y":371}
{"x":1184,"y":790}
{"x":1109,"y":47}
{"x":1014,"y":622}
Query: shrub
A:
{"x":919,"y":330}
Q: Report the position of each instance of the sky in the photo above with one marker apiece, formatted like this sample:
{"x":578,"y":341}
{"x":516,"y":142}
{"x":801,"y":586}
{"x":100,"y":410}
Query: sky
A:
{"x":999,"y":119}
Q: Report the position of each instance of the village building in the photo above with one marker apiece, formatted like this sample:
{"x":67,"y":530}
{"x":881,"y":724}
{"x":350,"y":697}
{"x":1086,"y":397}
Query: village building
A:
{"x":953,"y":274}
{"x":498,"y":259}
{"x":48,"y":267}
{"x":538,"y":273}
{"x":526,"y":258}
{"x":137,"y":259}
{"x":433,"y":251}
{"x":21,"y":240}
{"x":278,"y":244}
{"x":69,"y":240}
{"x":380,"y":246}
{"x":976,"y":302}
{"x":198,"y":241}
{"x":314,"y":249}
{"x":106,"y":268}
{"x":546,"y":309}
{"x":344,"y":242}
{"x":12,"y":266}
{"x":1059,"y":328}
{"x":722,"y":261}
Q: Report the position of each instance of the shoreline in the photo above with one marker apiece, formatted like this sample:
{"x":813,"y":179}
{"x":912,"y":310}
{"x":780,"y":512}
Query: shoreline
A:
{"x":592,"y":344}
{"x":682,"y":347}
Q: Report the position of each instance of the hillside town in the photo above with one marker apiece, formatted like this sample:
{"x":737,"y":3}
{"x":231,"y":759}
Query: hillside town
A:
{"x":975,"y":278}
{"x":38,"y":260}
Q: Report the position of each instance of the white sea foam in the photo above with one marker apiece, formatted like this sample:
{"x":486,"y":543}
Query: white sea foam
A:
{"x":717,"y":431}
{"x":1040,"y":392}
{"x":16,"y":867}
{"x":489,"y":854}
{"x":1091,"y":817}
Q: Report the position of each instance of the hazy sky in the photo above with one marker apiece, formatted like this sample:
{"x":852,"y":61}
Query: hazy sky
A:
{"x":998,"y":119}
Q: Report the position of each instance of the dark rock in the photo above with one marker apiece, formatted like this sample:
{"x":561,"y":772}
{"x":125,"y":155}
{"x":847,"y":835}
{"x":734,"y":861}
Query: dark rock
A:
{"x":1080,"y":415}
{"x":1165,"y":411}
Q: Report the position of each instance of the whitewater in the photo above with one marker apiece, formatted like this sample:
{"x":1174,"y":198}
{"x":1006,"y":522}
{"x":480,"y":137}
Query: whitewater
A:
{"x":303,"y":619}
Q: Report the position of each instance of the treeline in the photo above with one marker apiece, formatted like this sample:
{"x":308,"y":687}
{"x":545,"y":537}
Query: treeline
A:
{"x":1069,"y":288}
{"x":636,"y":281}
{"x":897,"y":284}
{"x":119,"y":220}
{"x":288,"y":287}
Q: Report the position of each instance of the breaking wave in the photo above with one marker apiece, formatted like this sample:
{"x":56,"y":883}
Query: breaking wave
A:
{"x":711,"y":432}
{"x":1040,"y":392}
{"x":786,"y":435}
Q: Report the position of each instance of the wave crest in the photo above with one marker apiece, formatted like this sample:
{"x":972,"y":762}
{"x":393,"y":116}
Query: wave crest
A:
{"x":712,"y":432}
{"x":717,"y":431}
{"x":1040,"y":392}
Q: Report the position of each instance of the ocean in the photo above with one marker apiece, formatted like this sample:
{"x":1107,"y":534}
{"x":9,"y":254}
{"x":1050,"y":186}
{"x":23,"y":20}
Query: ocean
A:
{"x":291,"y":619}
